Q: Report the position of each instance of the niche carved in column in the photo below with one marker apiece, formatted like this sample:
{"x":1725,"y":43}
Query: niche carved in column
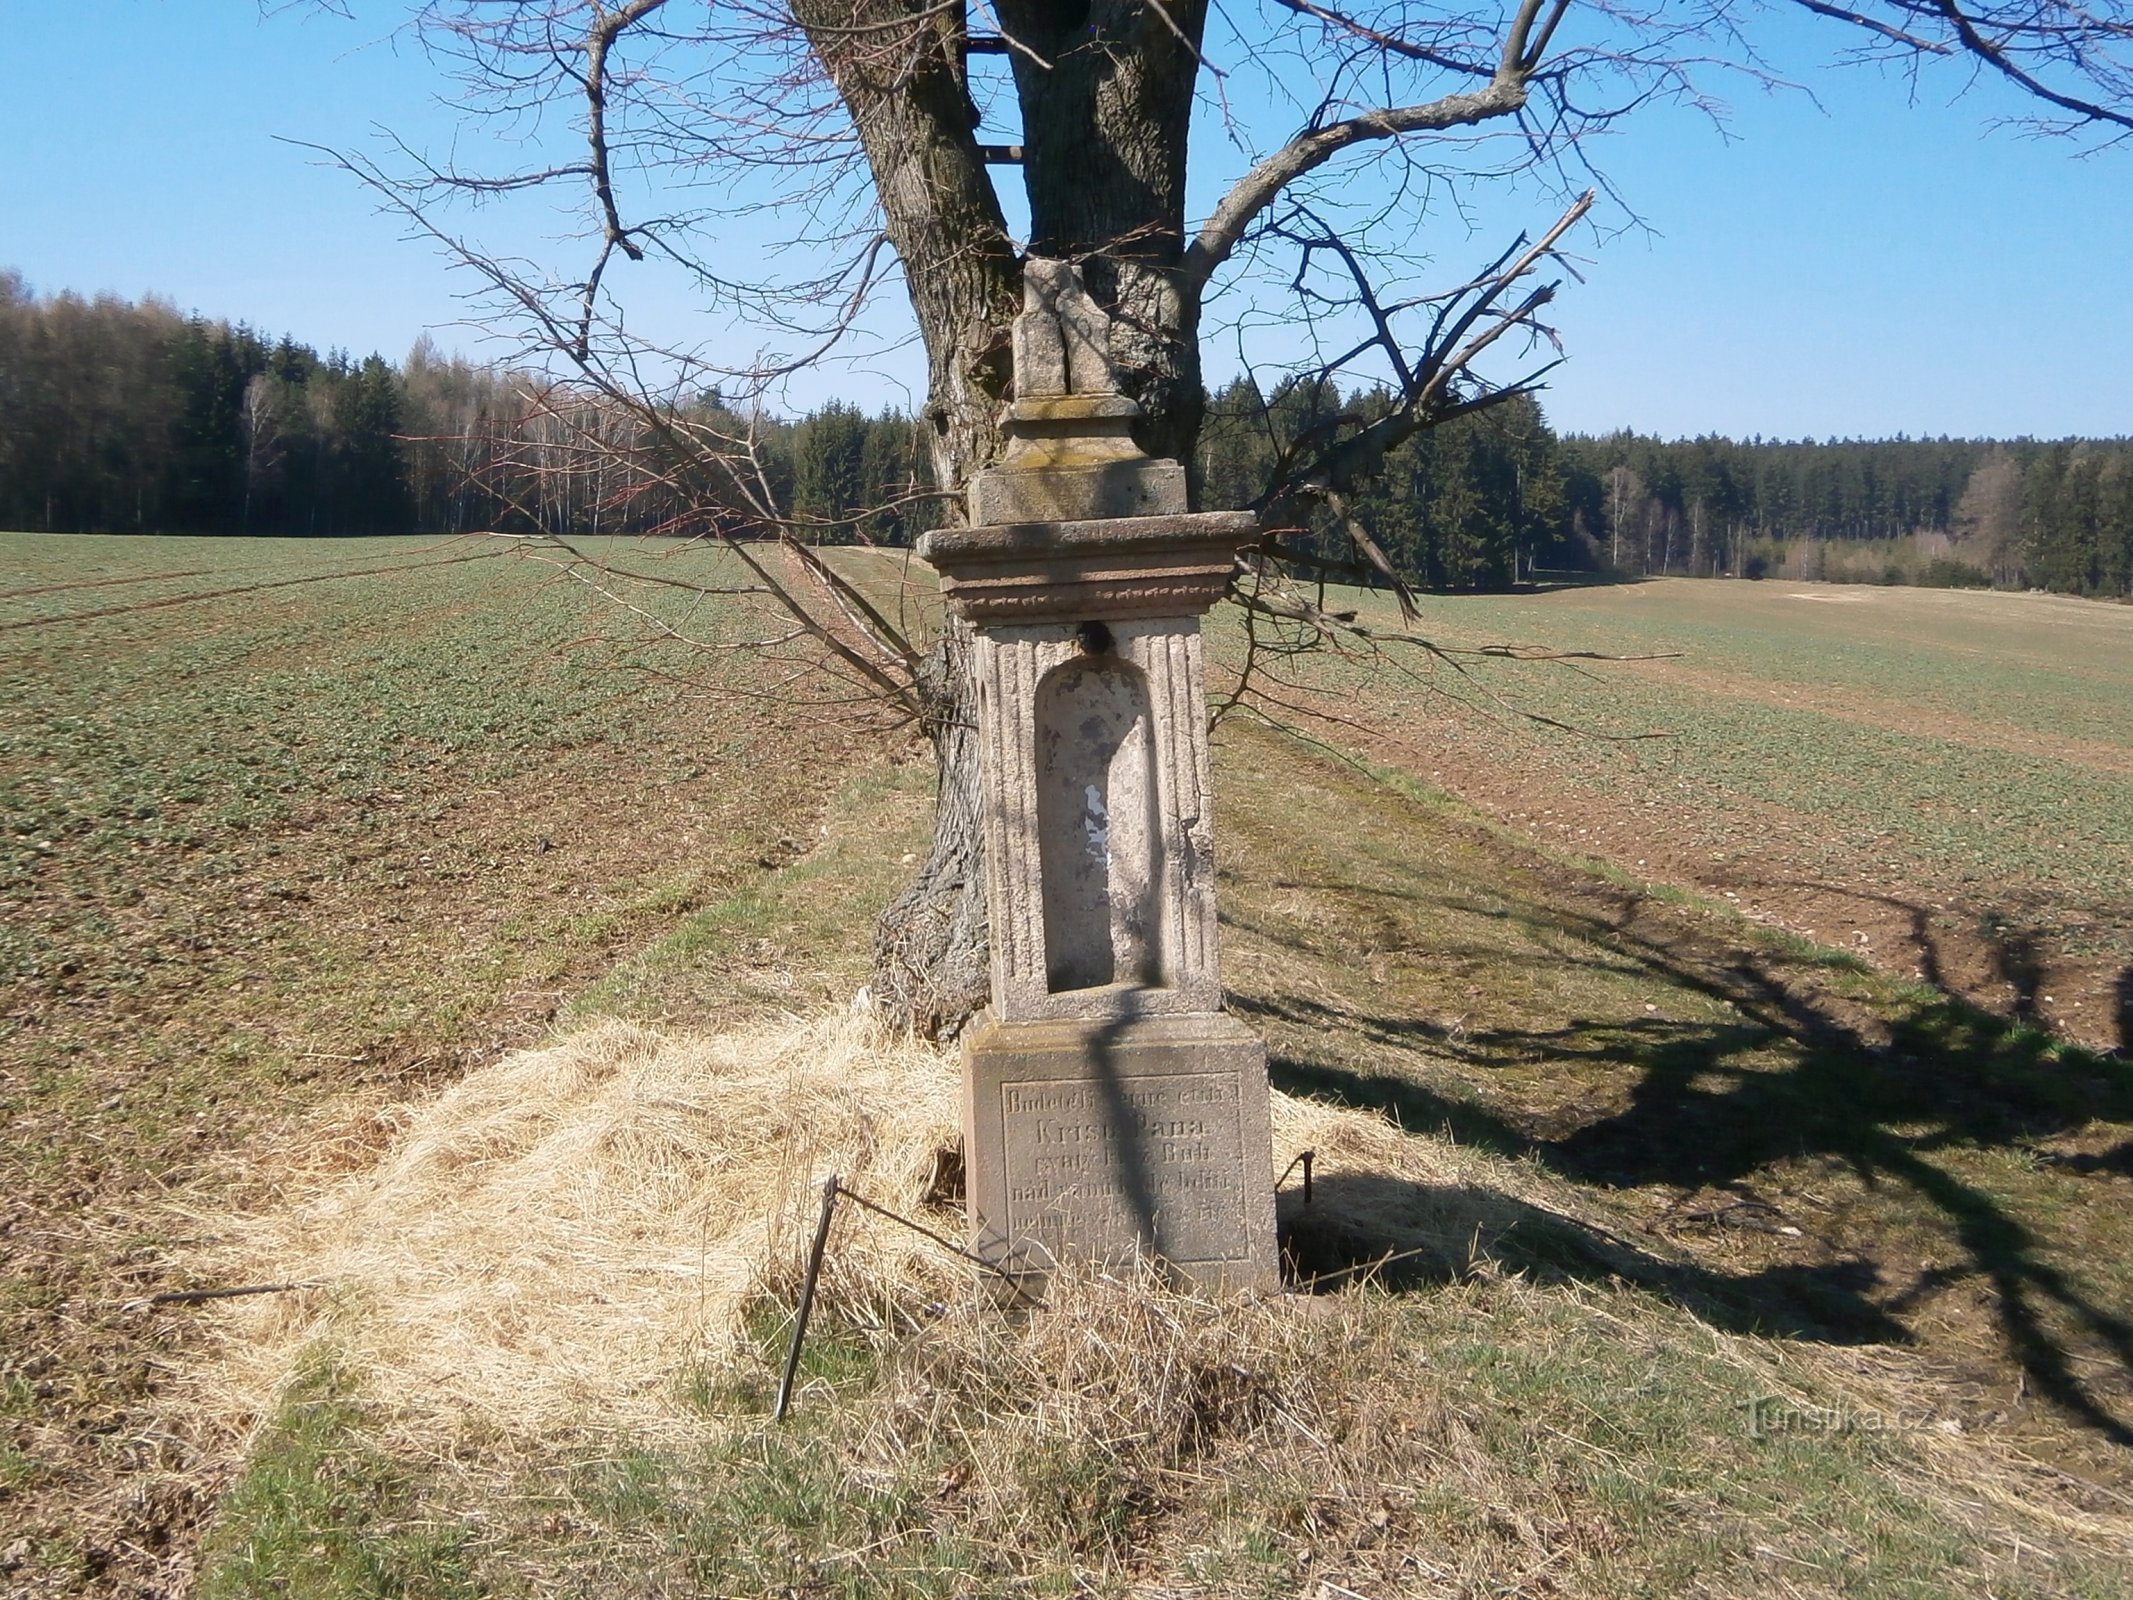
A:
{"x":1100,"y":842}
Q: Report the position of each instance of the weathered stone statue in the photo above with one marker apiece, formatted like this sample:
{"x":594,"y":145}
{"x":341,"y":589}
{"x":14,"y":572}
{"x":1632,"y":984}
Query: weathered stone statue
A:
{"x":1070,"y":453}
{"x":1112,"y":1111}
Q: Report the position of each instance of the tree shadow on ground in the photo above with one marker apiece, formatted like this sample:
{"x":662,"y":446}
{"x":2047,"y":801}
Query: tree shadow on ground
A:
{"x":1891,"y":1093}
{"x":2000,"y":942}
{"x":1402,"y":1235}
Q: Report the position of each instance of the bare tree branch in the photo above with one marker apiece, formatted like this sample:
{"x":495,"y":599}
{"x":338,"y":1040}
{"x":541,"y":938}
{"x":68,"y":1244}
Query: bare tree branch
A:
{"x":1260,"y":187}
{"x":2017,"y":39}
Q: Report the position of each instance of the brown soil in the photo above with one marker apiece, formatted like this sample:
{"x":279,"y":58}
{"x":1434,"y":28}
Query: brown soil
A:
{"x":1896,"y":716}
{"x":1793,"y":1220}
{"x":1817,"y":1163}
{"x":451,"y":932}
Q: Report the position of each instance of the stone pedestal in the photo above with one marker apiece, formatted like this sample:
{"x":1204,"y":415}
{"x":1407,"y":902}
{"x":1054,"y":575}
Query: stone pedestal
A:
{"x":1113,"y":1113}
{"x":1070,"y":458}
{"x":1111,"y":1141}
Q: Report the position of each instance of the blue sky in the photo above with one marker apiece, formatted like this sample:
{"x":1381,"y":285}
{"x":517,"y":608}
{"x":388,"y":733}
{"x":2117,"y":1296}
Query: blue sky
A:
{"x":1872,"y":265}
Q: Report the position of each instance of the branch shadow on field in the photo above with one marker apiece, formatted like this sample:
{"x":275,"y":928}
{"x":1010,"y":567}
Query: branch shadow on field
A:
{"x":2000,"y":942}
{"x":1903,"y":1096}
{"x":2124,"y":999}
{"x":1403,"y":1235}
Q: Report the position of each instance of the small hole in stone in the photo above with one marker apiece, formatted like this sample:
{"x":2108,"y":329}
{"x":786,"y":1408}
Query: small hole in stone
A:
{"x":1095,"y":639}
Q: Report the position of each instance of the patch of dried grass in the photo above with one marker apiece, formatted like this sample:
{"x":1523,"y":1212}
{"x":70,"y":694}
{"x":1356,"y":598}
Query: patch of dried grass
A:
{"x":546,"y":1244}
{"x":547,"y":1248}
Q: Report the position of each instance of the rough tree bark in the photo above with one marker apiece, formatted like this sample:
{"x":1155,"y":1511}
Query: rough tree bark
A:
{"x":932,"y":954}
{"x":900,"y":70}
{"x":1106,"y":93}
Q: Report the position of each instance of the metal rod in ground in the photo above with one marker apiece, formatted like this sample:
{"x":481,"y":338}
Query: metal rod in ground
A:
{"x":1304,"y":1160}
{"x":807,"y":1297}
{"x":992,"y":1267}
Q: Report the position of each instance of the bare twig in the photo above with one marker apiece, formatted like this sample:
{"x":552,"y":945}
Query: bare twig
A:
{"x":194,"y":1297}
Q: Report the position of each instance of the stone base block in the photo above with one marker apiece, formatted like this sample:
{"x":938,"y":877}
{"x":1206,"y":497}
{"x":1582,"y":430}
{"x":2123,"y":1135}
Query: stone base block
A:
{"x":1114,"y":1142}
{"x":1064,"y":492}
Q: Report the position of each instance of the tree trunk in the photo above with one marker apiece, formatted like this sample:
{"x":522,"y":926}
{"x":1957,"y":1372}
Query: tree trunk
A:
{"x":898,"y":67}
{"x":932,"y":953}
{"x":1105,"y":119}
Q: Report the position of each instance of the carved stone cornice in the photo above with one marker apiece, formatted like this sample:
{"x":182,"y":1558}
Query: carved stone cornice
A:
{"x":1098,"y":569}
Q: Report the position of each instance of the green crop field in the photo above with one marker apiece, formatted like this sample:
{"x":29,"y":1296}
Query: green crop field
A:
{"x":1942,"y":780}
{"x":1743,"y":1262}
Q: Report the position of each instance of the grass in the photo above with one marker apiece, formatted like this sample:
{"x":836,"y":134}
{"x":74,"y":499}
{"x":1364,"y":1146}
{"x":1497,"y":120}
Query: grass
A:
{"x":318,"y":853}
{"x":321,"y":1512}
{"x":1976,"y":776}
{"x":1572,"y":1407}
{"x":267,"y":850}
{"x":786,"y":941}
{"x":199,"y":800}
{"x":1708,"y":1080}
{"x":2032,"y":663}
{"x":1490,"y":1434}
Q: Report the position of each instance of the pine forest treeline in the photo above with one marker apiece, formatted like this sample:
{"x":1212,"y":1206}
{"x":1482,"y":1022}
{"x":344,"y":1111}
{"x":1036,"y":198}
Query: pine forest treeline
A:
{"x":1476,"y":503}
{"x":2055,"y":515}
{"x":124,"y":417}
{"x":121,"y":416}
{"x":117,"y":417}
{"x":1495,"y":496}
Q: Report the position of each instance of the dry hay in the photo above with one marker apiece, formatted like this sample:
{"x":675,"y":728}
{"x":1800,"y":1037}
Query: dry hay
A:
{"x":548,"y":1244}
{"x":554,"y":1244}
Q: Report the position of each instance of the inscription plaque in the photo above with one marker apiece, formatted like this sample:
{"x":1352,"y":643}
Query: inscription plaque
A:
{"x":1157,"y":1157}
{"x":1118,"y":1142}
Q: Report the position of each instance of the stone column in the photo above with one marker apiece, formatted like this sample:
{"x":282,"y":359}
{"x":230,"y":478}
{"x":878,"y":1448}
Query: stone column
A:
{"x":1112,"y":1112}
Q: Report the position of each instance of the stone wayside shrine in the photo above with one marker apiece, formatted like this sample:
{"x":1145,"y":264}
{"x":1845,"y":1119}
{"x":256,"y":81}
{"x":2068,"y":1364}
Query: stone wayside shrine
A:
{"x":1112,"y":1111}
